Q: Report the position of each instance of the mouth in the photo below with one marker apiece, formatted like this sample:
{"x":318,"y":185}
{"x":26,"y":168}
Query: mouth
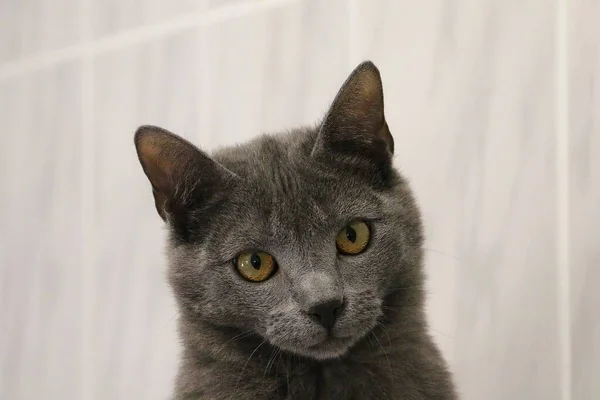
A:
{"x":330,"y":347}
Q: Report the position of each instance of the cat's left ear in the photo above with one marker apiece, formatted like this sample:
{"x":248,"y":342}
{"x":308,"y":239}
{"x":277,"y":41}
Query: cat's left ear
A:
{"x":355,"y":125}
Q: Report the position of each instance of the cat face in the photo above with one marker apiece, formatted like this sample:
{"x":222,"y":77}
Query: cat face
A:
{"x":298,"y":238}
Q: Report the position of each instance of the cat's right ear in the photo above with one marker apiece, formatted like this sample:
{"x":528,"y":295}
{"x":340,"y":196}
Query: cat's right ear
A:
{"x":181,"y":175}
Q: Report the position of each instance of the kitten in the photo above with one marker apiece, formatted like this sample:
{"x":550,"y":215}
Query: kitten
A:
{"x":296,"y":261}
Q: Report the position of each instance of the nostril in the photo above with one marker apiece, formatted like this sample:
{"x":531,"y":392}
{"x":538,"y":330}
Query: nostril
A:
{"x":338,"y":310}
{"x":315,"y":317}
{"x":326,"y":313}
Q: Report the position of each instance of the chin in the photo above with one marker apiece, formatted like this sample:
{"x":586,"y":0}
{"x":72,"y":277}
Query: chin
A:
{"x":330,"y":348}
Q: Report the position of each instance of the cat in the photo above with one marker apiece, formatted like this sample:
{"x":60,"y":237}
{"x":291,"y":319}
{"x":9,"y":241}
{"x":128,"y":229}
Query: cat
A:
{"x":296,"y":260}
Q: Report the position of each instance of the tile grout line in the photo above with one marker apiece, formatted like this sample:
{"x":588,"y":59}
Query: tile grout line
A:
{"x":562,"y":178}
{"x":135,"y":35}
{"x":87,"y":200}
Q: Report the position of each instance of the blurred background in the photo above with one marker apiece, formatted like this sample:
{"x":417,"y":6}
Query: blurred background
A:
{"x":495,"y":113}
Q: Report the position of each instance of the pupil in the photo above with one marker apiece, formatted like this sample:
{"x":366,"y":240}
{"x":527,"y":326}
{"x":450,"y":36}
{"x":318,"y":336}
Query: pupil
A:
{"x":351,"y":234}
{"x":255,"y":261}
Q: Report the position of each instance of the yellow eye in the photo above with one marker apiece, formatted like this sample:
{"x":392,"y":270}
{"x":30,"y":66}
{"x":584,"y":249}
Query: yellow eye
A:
{"x":255,"y":266}
{"x":354,"y":238}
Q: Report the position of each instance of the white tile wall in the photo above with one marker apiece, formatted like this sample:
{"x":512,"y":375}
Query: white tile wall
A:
{"x":31,"y":27}
{"x":109,"y":17}
{"x":584,"y":196}
{"x":471,"y":98}
{"x":275,"y":69}
{"x":40,"y":235}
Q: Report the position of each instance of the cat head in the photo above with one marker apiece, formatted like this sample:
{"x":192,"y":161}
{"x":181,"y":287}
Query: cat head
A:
{"x":300,"y":237}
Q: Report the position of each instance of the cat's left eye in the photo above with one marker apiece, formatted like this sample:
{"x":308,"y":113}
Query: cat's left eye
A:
{"x":255,"y":266}
{"x":354,"y":238}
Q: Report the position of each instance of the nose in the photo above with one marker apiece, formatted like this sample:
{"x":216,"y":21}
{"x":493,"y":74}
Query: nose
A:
{"x":325,"y":313}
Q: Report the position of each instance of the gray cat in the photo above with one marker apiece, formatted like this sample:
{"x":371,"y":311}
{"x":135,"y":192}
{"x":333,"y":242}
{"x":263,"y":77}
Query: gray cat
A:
{"x":296,"y":261}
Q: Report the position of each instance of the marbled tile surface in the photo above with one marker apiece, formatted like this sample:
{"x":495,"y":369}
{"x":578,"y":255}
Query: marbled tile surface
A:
{"x":471,"y":98}
{"x":114,"y":16}
{"x":31,"y":27}
{"x":40,"y":235}
{"x":275,"y":69}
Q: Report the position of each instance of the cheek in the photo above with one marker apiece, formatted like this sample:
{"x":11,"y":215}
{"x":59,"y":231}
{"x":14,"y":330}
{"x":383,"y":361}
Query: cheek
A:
{"x":387,"y":256}
{"x":363,"y":307}
{"x":362,"y":272}
{"x":223,"y":299}
{"x":245,"y":304}
{"x":374,"y":271}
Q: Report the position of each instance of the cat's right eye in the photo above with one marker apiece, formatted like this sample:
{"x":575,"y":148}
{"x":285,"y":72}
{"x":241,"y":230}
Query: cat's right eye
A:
{"x":255,"y":266}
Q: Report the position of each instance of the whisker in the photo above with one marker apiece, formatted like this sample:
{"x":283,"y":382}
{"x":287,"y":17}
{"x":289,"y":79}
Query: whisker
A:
{"x":244,"y":368}
{"x":240,"y":336}
{"x":441,"y":333}
{"x":271,"y":361}
{"x":162,"y":330}
{"x":435,"y":251}
{"x":287,"y":377}
{"x":420,"y":326}
{"x":442,"y":253}
{"x":382,"y":326}
{"x":386,"y":355}
{"x":399,"y":288}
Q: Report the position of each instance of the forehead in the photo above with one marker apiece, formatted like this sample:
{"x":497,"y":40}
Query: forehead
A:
{"x":284,"y":190}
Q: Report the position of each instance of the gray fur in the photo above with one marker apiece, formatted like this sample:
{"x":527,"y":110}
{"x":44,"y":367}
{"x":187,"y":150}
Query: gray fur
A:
{"x":289,"y":195}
